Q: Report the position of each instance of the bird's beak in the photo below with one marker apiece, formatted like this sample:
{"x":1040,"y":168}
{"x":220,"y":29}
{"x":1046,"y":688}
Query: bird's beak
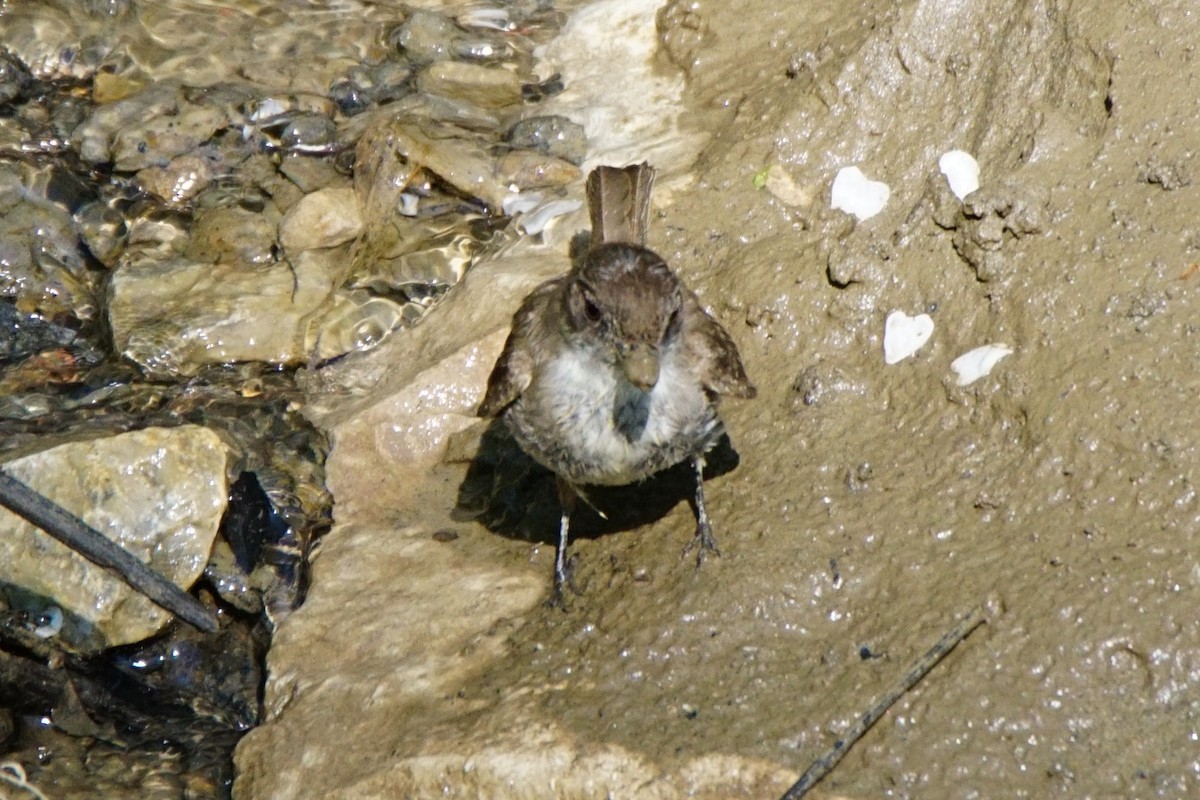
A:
{"x":640,"y":365}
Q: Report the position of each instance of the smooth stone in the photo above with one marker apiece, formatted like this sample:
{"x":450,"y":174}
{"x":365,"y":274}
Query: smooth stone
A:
{"x":324,"y":218}
{"x":426,"y":36}
{"x":158,"y":492}
{"x":173,"y":317}
{"x":553,"y":134}
{"x":488,"y":87}
{"x":529,"y":170}
{"x":41,"y":267}
{"x":179,"y":181}
{"x":157,"y":140}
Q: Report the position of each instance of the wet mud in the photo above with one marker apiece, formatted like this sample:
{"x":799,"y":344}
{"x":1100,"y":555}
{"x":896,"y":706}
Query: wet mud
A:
{"x":871,"y":505}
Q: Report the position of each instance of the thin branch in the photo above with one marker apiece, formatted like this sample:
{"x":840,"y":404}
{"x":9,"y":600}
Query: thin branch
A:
{"x":825,"y":764}
{"x":99,"y":549}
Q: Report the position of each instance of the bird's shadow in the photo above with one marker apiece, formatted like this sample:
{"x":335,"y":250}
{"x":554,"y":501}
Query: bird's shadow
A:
{"x":512,"y":495}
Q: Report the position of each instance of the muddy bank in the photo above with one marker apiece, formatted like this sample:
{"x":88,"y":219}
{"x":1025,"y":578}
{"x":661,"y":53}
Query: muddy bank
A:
{"x":871,"y":504}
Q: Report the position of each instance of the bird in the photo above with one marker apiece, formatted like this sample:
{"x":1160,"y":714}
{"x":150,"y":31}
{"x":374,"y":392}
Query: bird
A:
{"x":613,"y":371}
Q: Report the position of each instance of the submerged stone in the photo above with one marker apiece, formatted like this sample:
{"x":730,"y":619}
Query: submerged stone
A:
{"x":158,"y":492}
{"x":325,"y":218}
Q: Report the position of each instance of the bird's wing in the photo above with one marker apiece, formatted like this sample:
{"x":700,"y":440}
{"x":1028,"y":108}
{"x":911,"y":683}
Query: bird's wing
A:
{"x":514,"y":368}
{"x":713,"y":347}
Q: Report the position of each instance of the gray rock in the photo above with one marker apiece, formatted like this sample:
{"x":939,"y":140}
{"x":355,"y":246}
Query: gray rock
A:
{"x":426,"y":37}
{"x":554,"y":135}
{"x":158,"y":492}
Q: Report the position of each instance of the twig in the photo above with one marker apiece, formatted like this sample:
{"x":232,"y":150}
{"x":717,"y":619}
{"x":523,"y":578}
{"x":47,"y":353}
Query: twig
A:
{"x":823,"y":765}
{"x":99,"y":549}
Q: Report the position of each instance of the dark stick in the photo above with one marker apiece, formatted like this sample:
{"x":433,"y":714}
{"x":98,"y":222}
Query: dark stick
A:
{"x":99,"y":549}
{"x":823,"y":765}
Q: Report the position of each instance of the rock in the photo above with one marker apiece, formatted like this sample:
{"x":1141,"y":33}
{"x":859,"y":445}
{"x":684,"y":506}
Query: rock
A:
{"x":309,"y":174}
{"x":528,"y":170}
{"x":390,"y":152}
{"x":324,"y":218}
{"x":554,"y":135}
{"x":14,"y":79}
{"x":234,"y":235}
{"x":94,"y":137}
{"x":425,"y":37}
{"x":41,"y":266}
{"x":174,"y":316}
{"x":23,"y":335}
{"x":179,"y":181}
{"x":154,"y":141}
{"x":489,"y":87}
{"x":158,"y":492}
{"x":309,"y":133}
{"x":103,"y":231}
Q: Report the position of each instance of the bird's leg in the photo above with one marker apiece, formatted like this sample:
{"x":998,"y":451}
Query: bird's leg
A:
{"x":704,"y":542}
{"x":566,"y":498}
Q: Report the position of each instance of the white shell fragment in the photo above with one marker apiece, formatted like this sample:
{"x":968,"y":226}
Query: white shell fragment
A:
{"x":534,"y":222}
{"x":904,"y":335}
{"x":855,"y":193}
{"x":521,"y":203}
{"x":535,"y":214}
{"x":961,"y":171}
{"x":973,"y":365}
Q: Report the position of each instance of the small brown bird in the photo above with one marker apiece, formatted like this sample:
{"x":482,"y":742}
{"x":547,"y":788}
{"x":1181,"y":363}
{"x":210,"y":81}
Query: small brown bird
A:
{"x":612,"y":372}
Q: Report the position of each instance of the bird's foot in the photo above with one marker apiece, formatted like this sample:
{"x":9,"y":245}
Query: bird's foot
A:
{"x":703,"y":543}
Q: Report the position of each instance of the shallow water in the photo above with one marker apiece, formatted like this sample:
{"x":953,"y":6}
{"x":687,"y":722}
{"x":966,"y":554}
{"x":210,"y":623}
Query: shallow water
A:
{"x":152,"y":156}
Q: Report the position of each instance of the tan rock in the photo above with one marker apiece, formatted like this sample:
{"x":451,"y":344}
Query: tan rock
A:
{"x":489,"y":87}
{"x":158,"y":492}
{"x":324,"y":218}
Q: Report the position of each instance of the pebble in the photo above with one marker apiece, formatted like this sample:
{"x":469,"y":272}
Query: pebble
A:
{"x":155,"y":141}
{"x":325,"y":218}
{"x":525,"y":169}
{"x":553,"y":135}
{"x":309,"y":133}
{"x":425,"y":37}
{"x":14,"y":79}
{"x":487,"y":87}
{"x":179,"y":181}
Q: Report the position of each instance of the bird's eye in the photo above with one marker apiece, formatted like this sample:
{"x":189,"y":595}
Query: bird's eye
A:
{"x":591,"y":309}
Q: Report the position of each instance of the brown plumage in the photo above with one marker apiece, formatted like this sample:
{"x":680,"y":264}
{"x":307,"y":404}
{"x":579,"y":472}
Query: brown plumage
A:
{"x":612,"y":372}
